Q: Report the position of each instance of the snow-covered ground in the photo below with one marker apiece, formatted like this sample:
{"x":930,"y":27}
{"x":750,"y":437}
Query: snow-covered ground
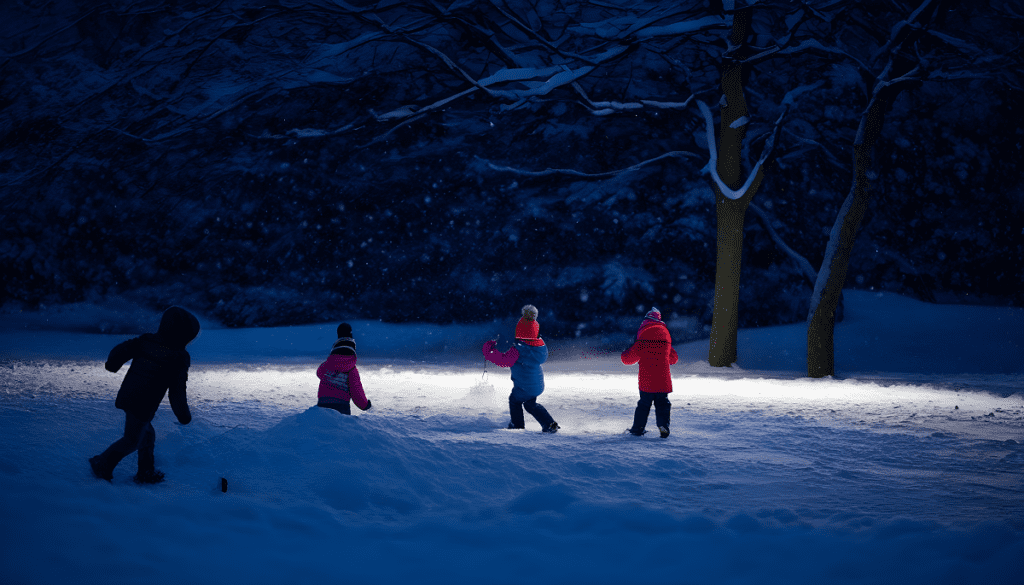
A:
{"x":907,"y":468}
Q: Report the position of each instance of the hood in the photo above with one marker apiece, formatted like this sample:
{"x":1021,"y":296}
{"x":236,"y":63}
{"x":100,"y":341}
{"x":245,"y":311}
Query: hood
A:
{"x":654,"y":331}
{"x":177,"y":328}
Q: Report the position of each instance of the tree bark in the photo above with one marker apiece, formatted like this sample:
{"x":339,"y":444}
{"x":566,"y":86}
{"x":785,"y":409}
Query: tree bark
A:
{"x":828,"y":287}
{"x":900,"y":73}
{"x":725,"y":321}
{"x":731,"y":213}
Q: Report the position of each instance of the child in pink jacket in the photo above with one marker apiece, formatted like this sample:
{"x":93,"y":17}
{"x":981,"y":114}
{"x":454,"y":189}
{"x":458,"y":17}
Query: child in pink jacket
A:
{"x":339,"y":378}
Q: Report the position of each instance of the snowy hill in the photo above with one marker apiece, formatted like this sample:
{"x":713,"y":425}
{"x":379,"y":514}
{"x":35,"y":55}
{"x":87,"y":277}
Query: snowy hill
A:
{"x":909,"y":468}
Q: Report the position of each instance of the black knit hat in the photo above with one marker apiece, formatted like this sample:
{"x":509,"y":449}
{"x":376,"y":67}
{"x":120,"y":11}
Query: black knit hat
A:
{"x":345,"y":345}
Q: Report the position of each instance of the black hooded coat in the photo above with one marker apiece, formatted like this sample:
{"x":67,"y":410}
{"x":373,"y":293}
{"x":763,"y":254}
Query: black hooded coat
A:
{"x":159,"y":364}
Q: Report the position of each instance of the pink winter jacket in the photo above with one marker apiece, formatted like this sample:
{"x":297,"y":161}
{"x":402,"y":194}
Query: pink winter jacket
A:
{"x":339,"y":378}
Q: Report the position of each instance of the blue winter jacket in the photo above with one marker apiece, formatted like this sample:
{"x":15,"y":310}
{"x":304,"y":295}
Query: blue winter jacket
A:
{"x":527,"y":374}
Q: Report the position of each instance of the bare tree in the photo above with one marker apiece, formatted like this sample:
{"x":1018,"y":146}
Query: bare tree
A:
{"x":150,"y":87}
{"x":917,"y":50}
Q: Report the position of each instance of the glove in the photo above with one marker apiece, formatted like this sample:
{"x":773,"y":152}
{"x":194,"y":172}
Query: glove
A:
{"x":369,"y":404}
{"x":489,"y":346}
{"x":110,"y":367}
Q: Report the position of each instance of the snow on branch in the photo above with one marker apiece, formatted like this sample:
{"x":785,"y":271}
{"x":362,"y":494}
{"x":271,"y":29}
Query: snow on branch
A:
{"x":575,"y":173}
{"x":740,"y":122}
{"x":803,"y":263}
{"x":816,"y":145}
{"x":809,"y":46}
{"x":965,"y":48}
{"x":606,"y":108}
{"x":328,"y":51}
{"x":640,"y":28}
{"x":411,"y":110}
{"x":444,"y":58}
{"x":769,"y":145}
{"x":532,"y":34}
{"x":682,"y":28}
{"x":8,"y":56}
{"x":955,"y":75}
{"x":881,"y":92}
{"x":304,"y":133}
{"x":667,"y":105}
{"x":559,"y":79}
{"x":712,"y":166}
{"x":791,"y":95}
{"x":899,"y":31}
{"x":520,"y":74}
{"x":559,"y":75}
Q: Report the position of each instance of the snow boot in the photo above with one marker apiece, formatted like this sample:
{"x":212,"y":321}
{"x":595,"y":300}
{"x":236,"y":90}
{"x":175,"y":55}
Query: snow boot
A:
{"x":100,"y":470}
{"x":551,"y":428}
{"x":636,"y":433}
{"x":512,"y":426}
{"x":151,"y":476}
{"x":664,"y":432}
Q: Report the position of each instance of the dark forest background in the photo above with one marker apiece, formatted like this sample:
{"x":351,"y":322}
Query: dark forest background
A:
{"x":238,"y":160}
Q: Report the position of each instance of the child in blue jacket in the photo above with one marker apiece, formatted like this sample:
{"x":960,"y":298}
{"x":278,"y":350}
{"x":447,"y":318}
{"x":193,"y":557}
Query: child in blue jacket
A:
{"x":525,"y":358}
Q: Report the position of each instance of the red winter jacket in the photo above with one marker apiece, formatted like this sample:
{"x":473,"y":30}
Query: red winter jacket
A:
{"x":653,"y":349}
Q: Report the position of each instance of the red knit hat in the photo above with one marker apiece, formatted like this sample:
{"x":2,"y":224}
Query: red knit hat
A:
{"x":528,"y":330}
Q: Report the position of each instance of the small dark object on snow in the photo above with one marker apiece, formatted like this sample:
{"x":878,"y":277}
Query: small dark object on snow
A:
{"x":154,"y":476}
{"x":223,"y":485}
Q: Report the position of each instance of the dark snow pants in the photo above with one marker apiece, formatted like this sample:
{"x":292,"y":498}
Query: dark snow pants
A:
{"x":662,"y":410}
{"x":516,"y":406}
{"x":138,"y":436}
{"x":342,"y":406}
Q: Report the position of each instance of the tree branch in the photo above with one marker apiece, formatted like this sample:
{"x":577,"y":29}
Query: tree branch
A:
{"x":769,"y":146}
{"x":802,"y":263}
{"x":575,"y":173}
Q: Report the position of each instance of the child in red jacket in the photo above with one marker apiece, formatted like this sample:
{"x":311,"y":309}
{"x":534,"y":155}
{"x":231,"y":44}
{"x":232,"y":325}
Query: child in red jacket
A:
{"x":339,"y":378}
{"x":653,"y":349}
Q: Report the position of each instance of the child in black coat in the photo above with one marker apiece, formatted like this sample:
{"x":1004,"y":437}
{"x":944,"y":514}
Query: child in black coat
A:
{"x":159,"y":364}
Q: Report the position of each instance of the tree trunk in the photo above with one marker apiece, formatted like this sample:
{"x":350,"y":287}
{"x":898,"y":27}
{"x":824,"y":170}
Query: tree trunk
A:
{"x":731,"y":213}
{"x":725,"y":321}
{"x":829,"y":285}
